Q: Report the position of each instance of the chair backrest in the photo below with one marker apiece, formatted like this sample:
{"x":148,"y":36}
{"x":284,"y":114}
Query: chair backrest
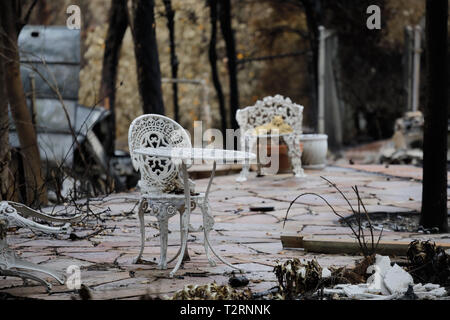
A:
{"x":158,"y":175}
{"x":264,"y":110}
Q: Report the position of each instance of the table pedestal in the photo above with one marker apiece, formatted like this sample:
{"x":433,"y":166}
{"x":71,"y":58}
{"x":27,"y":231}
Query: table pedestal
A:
{"x":207,"y":224}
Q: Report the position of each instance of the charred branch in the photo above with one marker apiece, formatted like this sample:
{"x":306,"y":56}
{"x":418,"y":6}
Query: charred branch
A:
{"x":170,"y":15}
{"x":228,"y":35}
{"x":118,"y":23}
{"x":147,"y":59}
{"x":213,"y":63}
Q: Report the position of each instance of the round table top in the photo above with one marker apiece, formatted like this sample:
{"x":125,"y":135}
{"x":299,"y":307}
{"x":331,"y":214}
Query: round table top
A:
{"x":197,"y":154}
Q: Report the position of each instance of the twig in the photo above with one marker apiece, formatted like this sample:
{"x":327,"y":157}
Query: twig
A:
{"x":74,"y":236}
{"x":334,"y":211}
{"x":360,"y":236}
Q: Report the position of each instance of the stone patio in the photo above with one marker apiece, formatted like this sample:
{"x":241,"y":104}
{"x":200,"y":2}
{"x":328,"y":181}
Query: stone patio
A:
{"x":249,"y":239}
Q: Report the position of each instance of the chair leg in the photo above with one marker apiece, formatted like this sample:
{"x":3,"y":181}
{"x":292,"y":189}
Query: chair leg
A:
{"x":13,"y":265}
{"x":25,"y":276}
{"x":208,"y":223}
{"x":163,"y":237}
{"x":181,"y":240}
{"x":207,"y":218}
{"x":218,"y":255}
{"x":142,"y":228}
{"x":244,"y":173}
{"x":16,"y":262}
{"x":184,"y":229}
{"x":295,"y":154}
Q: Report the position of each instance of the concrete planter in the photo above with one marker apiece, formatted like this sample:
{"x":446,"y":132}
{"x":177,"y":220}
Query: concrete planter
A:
{"x":315,"y":147}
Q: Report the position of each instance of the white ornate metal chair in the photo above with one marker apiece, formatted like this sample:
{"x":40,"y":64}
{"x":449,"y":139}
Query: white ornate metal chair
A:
{"x":262,"y":113}
{"x":162,"y":191}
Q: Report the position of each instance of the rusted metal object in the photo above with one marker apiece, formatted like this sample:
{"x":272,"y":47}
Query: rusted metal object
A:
{"x":67,"y":132}
{"x":50,"y":66}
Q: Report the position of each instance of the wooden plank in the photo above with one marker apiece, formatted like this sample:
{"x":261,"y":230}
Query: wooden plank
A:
{"x":346,"y":246}
{"x":291,"y":241}
{"x":352,"y":247}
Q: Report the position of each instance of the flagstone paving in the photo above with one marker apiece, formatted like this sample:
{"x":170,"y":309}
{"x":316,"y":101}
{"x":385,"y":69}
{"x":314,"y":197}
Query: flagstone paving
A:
{"x":248,"y":239}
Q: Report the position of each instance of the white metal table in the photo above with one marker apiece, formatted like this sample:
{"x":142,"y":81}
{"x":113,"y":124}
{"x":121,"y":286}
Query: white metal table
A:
{"x":184,"y":157}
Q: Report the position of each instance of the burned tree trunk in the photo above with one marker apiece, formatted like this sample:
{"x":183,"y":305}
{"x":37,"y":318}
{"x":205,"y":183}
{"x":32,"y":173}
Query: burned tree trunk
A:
{"x":36,"y":193}
{"x":5,"y":154}
{"x":118,"y":23}
{"x":44,"y":12}
{"x":147,"y":59}
{"x":312,"y":20}
{"x":434,"y":192}
{"x":213,"y":62}
{"x":170,"y":15}
{"x":228,"y":35}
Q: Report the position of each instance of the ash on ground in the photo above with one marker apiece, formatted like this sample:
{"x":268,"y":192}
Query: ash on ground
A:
{"x":391,"y":221}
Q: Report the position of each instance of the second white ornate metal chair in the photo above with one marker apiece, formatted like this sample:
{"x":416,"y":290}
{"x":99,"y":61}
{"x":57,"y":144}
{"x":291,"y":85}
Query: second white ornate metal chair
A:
{"x":13,"y":214}
{"x":263,"y":113}
{"x":161,"y":184}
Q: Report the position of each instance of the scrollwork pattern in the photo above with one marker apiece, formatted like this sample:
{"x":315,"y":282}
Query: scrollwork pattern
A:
{"x":10,"y":263}
{"x":158,"y":175}
{"x":162,"y":185}
{"x":262,"y":113}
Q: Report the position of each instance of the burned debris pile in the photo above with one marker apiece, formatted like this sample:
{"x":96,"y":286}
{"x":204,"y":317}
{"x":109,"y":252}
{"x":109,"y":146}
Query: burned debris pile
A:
{"x":428,"y":263}
{"x":426,"y":276}
{"x":307,"y":280}
{"x":211,"y":291}
{"x":296,"y":278}
{"x":407,"y":141}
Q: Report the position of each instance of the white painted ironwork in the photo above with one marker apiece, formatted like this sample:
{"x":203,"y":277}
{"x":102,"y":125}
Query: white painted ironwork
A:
{"x":262,"y":113}
{"x":158,"y":175}
{"x":11,"y":215}
{"x":161,"y":151}
{"x":192,"y":154}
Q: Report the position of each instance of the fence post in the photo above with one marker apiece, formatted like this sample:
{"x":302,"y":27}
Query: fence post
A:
{"x":416,"y":68}
{"x":321,"y":80}
{"x":408,"y":67}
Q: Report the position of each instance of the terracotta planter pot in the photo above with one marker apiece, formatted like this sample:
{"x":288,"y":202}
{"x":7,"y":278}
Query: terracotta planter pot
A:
{"x":283,"y":158}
